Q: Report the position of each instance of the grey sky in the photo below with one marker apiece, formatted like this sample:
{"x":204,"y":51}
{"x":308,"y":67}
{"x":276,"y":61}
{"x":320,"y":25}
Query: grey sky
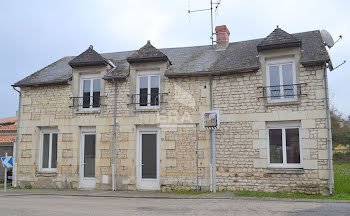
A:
{"x":37,"y":33}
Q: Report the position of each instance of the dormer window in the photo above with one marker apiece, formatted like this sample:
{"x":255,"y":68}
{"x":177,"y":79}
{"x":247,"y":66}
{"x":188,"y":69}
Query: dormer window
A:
{"x":147,"y":90}
{"x":281,"y":80}
{"x":90,"y":92}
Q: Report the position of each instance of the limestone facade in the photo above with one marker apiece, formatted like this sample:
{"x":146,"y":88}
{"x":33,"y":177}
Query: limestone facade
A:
{"x":241,"y":141}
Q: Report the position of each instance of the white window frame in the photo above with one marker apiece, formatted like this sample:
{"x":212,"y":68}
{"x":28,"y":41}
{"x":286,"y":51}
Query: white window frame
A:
{"x":90,"y":77}
{"x":42,"y":132}
{"x":284,"y":126}
{"x":148,"y":74}
{"x":279,"y":62}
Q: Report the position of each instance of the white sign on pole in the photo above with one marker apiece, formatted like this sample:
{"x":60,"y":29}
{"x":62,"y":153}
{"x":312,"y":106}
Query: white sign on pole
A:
{"x":7,"y":161}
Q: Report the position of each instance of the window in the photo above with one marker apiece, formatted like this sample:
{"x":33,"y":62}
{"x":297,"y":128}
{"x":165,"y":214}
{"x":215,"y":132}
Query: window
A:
{"x":281,"y":80}
{"x":147,"y":90}
{"x":90,"y":92}
{"x":284,"y":146}
{"x":48,"y":150}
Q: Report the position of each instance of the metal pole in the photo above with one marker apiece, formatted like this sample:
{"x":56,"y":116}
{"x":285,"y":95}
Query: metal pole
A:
{"x":211,"y":19}
{"x":329,"y":134}
{"x":5,"y":178}
{"x":212,"y":134}
{"x":197,"y":155}
{"x":114,"y":137}
{"x":15,"y":147}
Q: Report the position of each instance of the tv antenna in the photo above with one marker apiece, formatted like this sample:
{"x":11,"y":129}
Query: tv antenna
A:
{"x":212,"y":5}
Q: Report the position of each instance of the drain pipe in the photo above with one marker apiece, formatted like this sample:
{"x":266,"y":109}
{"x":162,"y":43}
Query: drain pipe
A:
{"x":114,"y":138}
{"x":197,"y":187}
{"x":212,"y":136}
{"x":329,"y":134}
{"x":15,"y":147}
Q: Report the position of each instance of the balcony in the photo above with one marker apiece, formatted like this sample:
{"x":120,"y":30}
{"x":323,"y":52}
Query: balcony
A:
{"x":87,"y":102}
{"x":147,"y":101}
{"x":282,"y":93}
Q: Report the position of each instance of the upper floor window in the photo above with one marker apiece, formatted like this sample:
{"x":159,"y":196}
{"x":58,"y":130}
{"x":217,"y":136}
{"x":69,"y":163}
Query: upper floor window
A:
{"x":48,"y":150}
{"x":90,"y":92}
{"x":281,"y":80}
{"x":147,"y":90}
{"x":284,"y":145}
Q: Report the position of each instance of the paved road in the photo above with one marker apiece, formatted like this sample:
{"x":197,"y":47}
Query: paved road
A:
{"x":70,"y":205}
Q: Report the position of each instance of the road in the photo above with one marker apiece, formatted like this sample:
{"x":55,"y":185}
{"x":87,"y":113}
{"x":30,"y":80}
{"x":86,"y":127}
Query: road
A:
{"x":73,"y":205}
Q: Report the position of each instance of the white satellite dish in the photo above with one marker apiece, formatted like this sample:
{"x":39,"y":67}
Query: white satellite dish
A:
{"x":327,"y":38}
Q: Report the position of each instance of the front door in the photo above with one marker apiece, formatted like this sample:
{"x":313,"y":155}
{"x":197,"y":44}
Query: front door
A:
{"x":87,"y":159}
{"x":148,"y":160}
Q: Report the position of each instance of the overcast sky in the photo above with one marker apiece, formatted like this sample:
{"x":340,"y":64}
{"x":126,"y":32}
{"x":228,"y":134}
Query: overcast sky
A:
{"x":36,"y":33}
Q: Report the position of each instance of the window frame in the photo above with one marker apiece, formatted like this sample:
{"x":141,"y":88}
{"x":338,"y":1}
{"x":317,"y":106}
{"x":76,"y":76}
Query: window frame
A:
{"x":90,"y":77}
{"x":283,"y":126}
{"x":148,"y":74}
{"x":42,"y":132}
{"x":279,"y":62}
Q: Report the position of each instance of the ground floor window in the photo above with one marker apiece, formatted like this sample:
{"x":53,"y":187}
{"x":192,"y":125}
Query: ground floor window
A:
{"x":48,"y":150}
{"x":284,"y":145}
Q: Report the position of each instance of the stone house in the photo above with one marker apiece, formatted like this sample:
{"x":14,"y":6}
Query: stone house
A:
{"x":269,"y":93}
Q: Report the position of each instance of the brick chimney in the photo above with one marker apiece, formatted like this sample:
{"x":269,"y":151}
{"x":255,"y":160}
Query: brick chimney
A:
{"x":222,"y":37}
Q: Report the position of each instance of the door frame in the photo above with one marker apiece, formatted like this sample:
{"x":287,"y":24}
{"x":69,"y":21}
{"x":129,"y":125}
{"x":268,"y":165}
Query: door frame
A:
{"x":146,"y":184}
{"x":86,"y":182}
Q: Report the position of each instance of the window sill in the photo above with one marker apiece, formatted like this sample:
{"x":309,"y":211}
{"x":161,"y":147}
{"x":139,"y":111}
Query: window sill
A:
{"x":45,"y":174}
{"x":285,"y":103}
{"x":157,"y":109}
{"x":88,"y":111}
{"x":285,"y":171}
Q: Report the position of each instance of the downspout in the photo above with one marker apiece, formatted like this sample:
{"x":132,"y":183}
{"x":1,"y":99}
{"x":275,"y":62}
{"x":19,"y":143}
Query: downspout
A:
{"x":329,"y":134}
{"x":212,"y":136}
{"x":15,"y":147}
{"x":197,"y":125}
{"x":114,"y":138}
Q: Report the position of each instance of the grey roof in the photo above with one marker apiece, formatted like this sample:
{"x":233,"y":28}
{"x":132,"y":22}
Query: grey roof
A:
{"x":88,"y":58}
{"x":147,"y":53}
{"x":279,"y":39}
{"x":189,"y":61}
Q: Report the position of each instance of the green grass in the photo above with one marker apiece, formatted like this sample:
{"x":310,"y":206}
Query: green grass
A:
{"x":342,"y":178}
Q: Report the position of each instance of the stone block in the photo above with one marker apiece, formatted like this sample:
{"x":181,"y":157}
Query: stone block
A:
{"x":26,"y":153}
{"x":104,"y":162}
{"x":67,"y":153}
{"x":306,"y":154}
{"x":170,"y":163}
{"x":258,"y":125}
{"x":309,"y":143}
{"x":310,"y":164}
{"x":320,"y":94}
{"x":308,"y":123}
{"x":323,"y":154}
{"x":259,"y":143}
{"x":262,"y":134}
{"x":259,"y":163}
{"x":323,"y":174}
{"x":322,"y":133}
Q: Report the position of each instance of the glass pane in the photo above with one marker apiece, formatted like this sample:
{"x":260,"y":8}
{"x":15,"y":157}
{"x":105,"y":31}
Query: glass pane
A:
{"x":149,"y":156}
{"x":274,"y":82}
{"x":154,"y":90}
{"x":96,"y":93}
{"x":54,"y":151}
{"x":143,"y":91}
{"x":86,"y":93}
{"x":292,"y":145}
{"x":46,"y":146}
{"x":89,"y":155}
{"x":276,"y":151}
{"x":288,"y":80}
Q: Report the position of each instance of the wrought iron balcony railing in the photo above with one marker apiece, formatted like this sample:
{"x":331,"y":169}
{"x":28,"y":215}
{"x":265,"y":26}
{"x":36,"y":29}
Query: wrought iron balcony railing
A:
{"x":148,"y":100}
{"x":282,"y":92}
{"x":88,"y":102}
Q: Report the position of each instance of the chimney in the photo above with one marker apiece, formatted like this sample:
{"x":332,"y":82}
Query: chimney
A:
{"x":222,"y":37}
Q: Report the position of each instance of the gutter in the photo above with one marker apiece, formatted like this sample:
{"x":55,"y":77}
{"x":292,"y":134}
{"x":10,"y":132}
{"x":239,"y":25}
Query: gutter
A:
{"x":329,"y":134}
{"x":15,"y":147}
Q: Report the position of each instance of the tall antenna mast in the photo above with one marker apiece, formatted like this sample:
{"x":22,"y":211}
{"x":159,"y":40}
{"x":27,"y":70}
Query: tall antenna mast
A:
{"x":211,"y":16}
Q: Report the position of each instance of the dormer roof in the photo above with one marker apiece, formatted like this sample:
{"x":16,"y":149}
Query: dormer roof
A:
{"x":147,"y":53}
{"x":88,"y":58}
{"x":279,"y":39}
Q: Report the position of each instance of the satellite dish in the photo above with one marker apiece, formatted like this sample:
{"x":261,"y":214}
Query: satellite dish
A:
{"x":327,"y":38}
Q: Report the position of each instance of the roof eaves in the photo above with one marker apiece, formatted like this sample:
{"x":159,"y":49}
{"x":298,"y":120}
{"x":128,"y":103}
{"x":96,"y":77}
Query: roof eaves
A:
{"x":214,"y":73}
{"x":41,"y":84}
{"x":147,"y":59}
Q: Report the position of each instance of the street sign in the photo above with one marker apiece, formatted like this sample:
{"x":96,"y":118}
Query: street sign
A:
{"x":7,"y":162}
